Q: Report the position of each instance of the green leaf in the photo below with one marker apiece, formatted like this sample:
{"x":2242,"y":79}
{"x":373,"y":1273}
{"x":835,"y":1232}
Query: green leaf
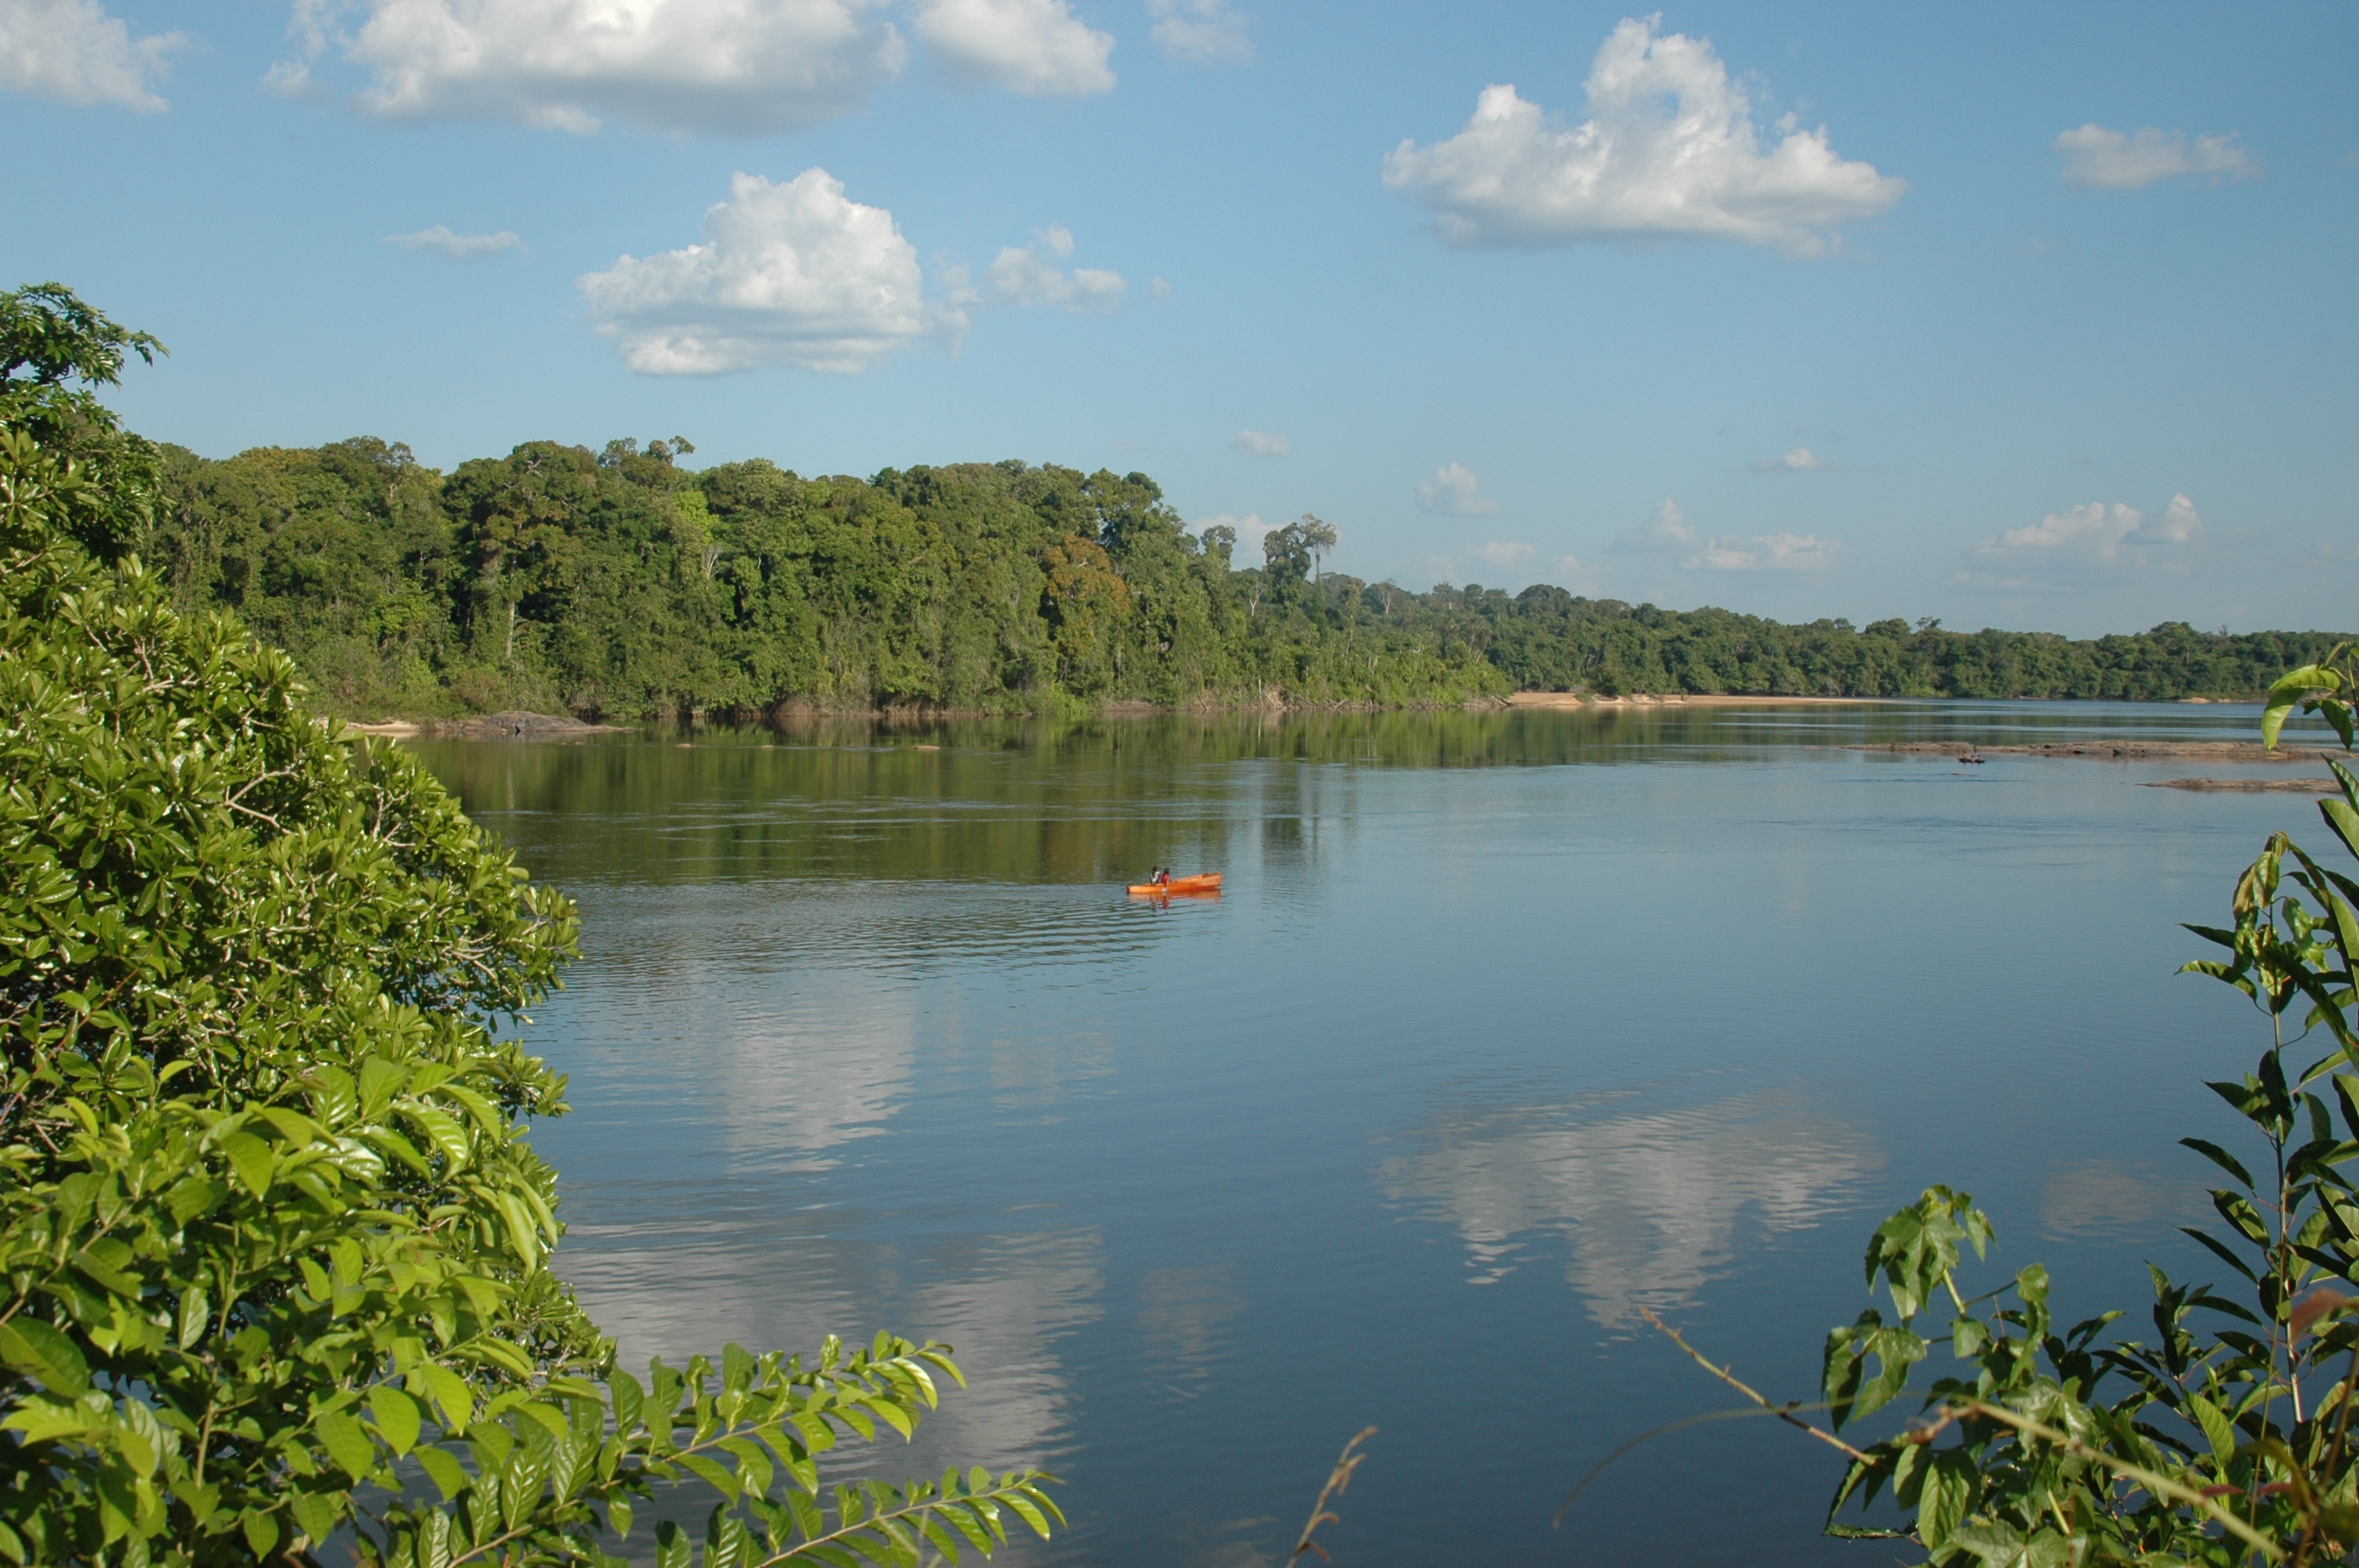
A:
{"x":398,"y":1418}
{"x":317,"y":1513}
{"x":2219,"y":1157}
{"x":41,"y":1352}
{"x":251,"y":1158}
{"x":102,"y":1261}
{"x":261,"y":1531}
{"x":2288,"y":693}
{"x":347,"y":1444}
{"x":447,"y":1390}
{"x":2217,"y":1432}
{"x":442,"y":1467}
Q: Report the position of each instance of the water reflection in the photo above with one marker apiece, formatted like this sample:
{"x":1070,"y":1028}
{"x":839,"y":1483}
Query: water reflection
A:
{"x":1649,"y":1201}
{"x":1181,"y":1315}
{"x":2114,"y":1200}
{"x":868,"y":1036}
{"x":1004,"y":1303}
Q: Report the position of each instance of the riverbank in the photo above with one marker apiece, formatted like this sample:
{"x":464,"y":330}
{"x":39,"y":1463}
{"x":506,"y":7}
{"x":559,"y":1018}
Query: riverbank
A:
{"x":2107,"y":751}
{"x":1559,"y":699}
{"x":513,"y":725}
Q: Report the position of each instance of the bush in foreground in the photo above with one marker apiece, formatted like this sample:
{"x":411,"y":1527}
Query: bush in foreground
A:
{"x":2227,"y":1437}
{"x":273,"y":1246}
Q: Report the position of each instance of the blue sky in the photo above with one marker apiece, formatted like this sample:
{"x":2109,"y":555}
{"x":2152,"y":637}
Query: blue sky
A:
{"x":2018,"y":316}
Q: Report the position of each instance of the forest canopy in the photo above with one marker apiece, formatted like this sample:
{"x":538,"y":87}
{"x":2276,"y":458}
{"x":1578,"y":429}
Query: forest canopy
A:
{"x":622,"y":582}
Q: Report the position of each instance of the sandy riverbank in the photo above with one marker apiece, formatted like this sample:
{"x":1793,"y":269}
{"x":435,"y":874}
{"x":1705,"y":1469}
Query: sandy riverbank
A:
{"x":1687,"y":699}
{"x":514,"y":725}
{"x":2250,"y":786}
{"x":2106,"y":751}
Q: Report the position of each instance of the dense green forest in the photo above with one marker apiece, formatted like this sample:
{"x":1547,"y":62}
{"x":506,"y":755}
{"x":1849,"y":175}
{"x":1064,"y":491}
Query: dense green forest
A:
{"x":624,"y":583}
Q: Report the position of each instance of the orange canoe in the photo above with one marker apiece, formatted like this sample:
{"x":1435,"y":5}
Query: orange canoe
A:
{"x":1210,"y":882}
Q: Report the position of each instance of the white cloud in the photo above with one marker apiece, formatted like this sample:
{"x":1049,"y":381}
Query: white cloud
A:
{"x":743,"y":67}
{"x":1666,"y":529}
{"x":1801,"y":459}
{"x":1670,"y":152}
{"x":2096,"y":158}
{"x":71,"y":51}
{"x":1572,"y":575}
{"x":1766,"y":552}
{"x":1201,"y":32}
{"x":1455,"y":492}
{"x":1248,"y":529}
{"x":788,"y":275}
{"x":1260,"y":444}
{"x":1505,"y":553}
{"x":1036,"y":47}
{"x":458,"y":247}
{"x":2093,"y":537}
{"x":1028,"y":275}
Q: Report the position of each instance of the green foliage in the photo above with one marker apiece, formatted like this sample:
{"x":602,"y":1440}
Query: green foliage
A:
{"x":55,"y":350}
{"x":2326,"y":687}
{"x":273,"y":1243}
{"x":620,"y":583}
{"x":2227,"y":1436}
{"x":1546,"y":639}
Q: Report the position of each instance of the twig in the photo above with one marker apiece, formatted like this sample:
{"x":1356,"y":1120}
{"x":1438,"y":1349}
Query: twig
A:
{"x":1557,"y":1518}
{"x":1783,"y":1413}
{"x":1337,"y":1480}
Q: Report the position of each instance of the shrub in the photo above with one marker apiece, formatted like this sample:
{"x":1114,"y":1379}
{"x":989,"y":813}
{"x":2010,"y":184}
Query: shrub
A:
{"x":274,"y":1244}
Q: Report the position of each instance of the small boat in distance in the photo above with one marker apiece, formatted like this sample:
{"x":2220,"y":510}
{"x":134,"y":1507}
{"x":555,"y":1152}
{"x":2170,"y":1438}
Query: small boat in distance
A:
{"x":1179,"y":886}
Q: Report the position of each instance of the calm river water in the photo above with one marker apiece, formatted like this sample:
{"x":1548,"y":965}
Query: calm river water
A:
{"x":1507,"y":1025}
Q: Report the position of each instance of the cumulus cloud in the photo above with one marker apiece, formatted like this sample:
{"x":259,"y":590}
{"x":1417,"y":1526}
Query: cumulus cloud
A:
{"x":1455,"y":492}
{"x":1766,"y":552}
{"x":1668,"y":532}
{"x":1801,"y":459}
{"x":2096,"y":158}
{"x":72,"y":51}
{"x":458,"y":247}
{"x":1670,"y":152}
{"x":1666,"y":529}
{"x":1249,"y":530}
{"x":1036,"y":47}
{"x":2093,"y":537}
{"x":788,"y":275}
{"x":1260,"y":444}
{"x":740,"y":68}
{"x":1028,"y":275}
{"x":1505,"y":553}
{"x":1201,"y":32}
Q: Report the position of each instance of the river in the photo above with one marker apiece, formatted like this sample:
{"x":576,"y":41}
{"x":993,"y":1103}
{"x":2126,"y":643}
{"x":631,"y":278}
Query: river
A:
{"x":1505,"y":1025}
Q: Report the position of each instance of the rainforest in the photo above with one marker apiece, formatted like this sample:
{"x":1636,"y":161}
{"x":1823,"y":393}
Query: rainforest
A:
{"x":622,"y":582}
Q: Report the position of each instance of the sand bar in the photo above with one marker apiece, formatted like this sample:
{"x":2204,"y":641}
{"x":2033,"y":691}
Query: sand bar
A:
{"x":516,"y":725}
{"x":1685,"y":699}
{"x":2106,"y":751}
{"x":2250,"y":786}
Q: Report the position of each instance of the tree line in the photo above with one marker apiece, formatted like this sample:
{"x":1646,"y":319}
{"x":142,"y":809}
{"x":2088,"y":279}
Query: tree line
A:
{"x":622,"y":582}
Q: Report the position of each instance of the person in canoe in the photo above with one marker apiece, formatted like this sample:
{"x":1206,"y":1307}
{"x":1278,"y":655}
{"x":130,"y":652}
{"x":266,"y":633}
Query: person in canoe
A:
{"x":1161,"y":883}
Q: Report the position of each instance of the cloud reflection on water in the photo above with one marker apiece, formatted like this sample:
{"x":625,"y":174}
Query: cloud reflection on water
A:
{"x":1650,"y":1202}
{"x":1003,"y":1302}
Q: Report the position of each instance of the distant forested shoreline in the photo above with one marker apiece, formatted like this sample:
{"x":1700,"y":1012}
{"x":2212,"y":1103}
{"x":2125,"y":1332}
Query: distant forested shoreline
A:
{"x":622,"y":584}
